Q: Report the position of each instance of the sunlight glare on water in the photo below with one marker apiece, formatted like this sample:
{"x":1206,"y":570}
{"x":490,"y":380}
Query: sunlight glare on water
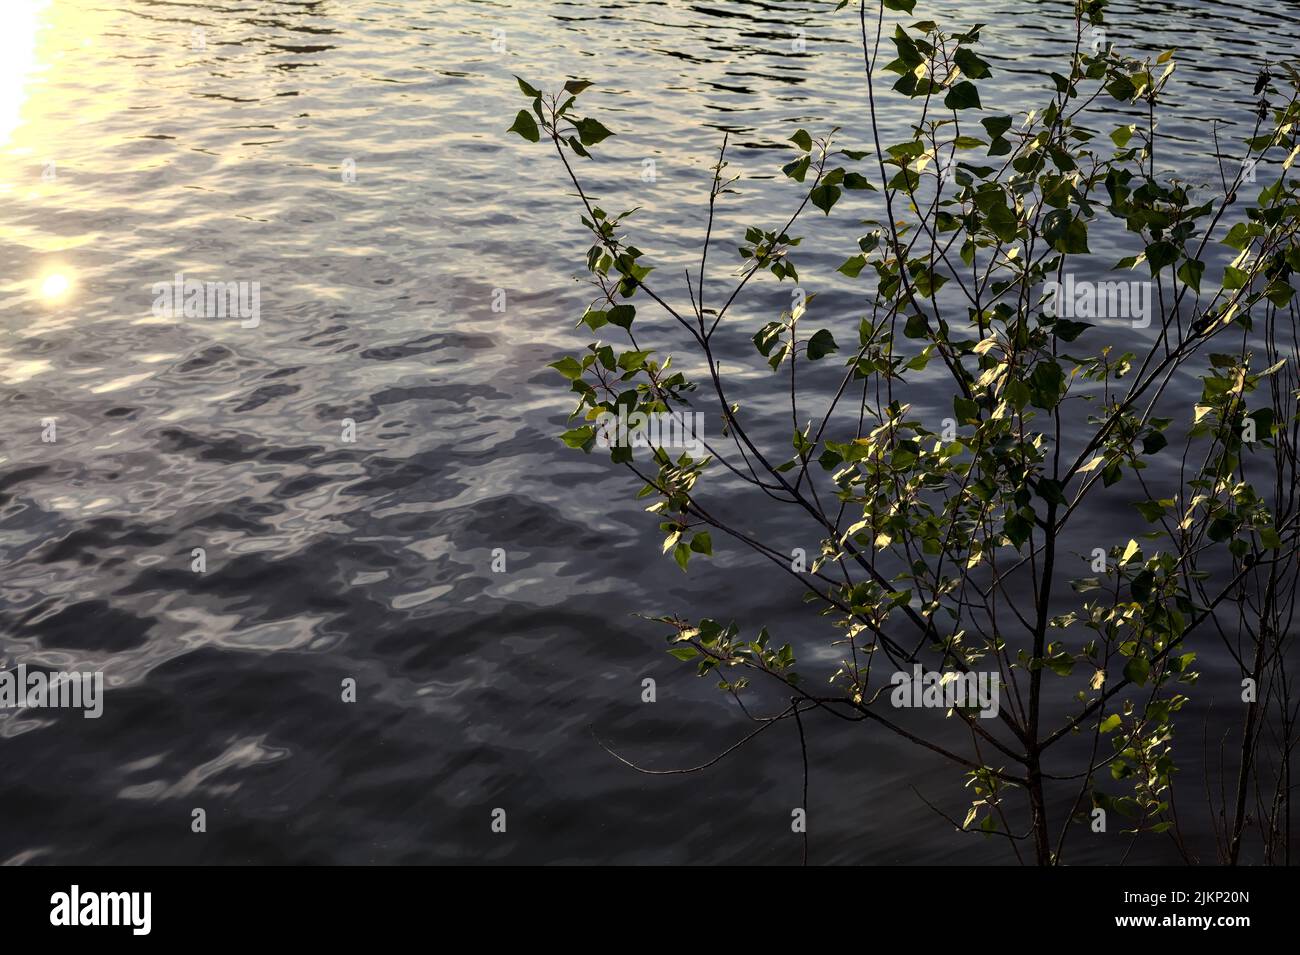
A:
{"x":18,"y":40}
{"x":130,"y":154}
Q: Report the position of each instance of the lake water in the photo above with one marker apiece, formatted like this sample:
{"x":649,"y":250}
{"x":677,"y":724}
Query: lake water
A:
{"x":143,"y":139}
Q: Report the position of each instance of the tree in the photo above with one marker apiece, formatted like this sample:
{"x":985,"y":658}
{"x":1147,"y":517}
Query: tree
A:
{"x":943,"y":557}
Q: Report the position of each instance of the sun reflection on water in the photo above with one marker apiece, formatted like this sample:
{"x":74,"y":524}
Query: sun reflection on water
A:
{"x":55,"y":286}
{"x":18,"y":60}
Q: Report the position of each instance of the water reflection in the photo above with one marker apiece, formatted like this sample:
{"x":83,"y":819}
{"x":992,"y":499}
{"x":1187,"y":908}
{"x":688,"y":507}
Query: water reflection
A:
{"x":222,"y":154}
{"x":18,"y":60}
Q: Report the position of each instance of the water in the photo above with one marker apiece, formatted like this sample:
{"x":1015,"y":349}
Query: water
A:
{"x":220,"y":154}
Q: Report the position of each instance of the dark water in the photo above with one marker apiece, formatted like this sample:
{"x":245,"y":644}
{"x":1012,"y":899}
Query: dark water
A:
{"x":371,"y":560}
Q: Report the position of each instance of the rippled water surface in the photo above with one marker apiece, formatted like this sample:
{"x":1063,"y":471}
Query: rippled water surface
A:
{"x":143,"y":139}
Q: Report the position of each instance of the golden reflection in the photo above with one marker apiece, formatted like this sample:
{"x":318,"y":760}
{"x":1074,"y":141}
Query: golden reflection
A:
{"x":54,"y":287}
{"x":17,"y":59}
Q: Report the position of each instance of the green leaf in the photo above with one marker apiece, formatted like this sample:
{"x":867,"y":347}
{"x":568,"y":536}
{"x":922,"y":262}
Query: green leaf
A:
{"x":682,"y":554}
{"x":1160,"y":254}
{"x":568,"y":366}
{"x":1045,"y":383}
{"x":797,"y":169}
{"x":1151,"y":510}
{"x":1002,"y":221}
{"x":580,"y":437}
{"x":1110,"y":723}
{"x":1221,"y":528}
{"x":1121,"y":136}
{"x":591,"y":132}
{"x":525,"y":126}
{"x":1190,"y":273}
{"x":916,"y":326}
{"x":1067,"y":330}
{"x":634,"y":360}
{"x":820,"y":345}
{"x":971,"y":65}
{"x":996,"y":125}
{"x":1062,"y":664}
{"x":621,"y":315}
{"x":802,"y":140}
{"x":779,"y":355}
{"x":853,"y":266}
{"x":1279,"y":292}
{"x":767,"y":337}
{"x":701,"y":543}
{"x":1137,"y":670}
{"x":911,"y":149}
{"x":1051,"y":491}
{"x":963,"y":96}
{"x":684,"y":653}
{"x":1234,"y":278}
{"x":529,"y":91}
{"x":576,"y":86}
{"x":928,"y":282}
{"x":1018,"y":528}
{"x":824,"y":197}
{"x":965,"y":409}
{"x":1065,"y":232}
{"x":1154,"y":442}
{"x":905,"y":6}
{"x":1239,"y":236}
{"x":1121,"y":88}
